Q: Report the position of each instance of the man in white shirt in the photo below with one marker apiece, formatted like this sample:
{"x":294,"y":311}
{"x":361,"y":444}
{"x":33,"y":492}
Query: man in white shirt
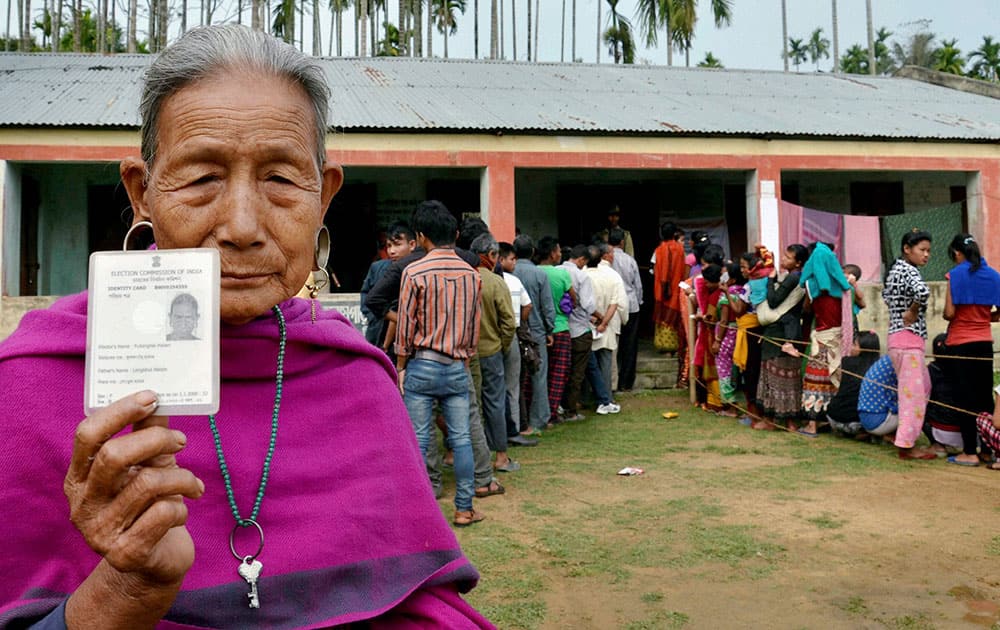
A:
{"x":623,"y":364}
{"x":612,"y":303}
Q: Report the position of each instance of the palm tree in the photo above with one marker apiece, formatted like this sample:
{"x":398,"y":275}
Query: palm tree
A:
{"x":918,"y":51}
{"x":529,"y":28}
{"x":683,"y":16}
{"x":416,"y":10}
{"x":987,"y":60}
{"x":883,"y":59}
{"x":393,"y":45}
{"x":948,"y":58}
{"x":361,"y":27}
{"x":538,"y":18}
{"x":444,"y":18}
{"x":710,"y":61}
{"x":836,"y":42}
{"x":562,"y":35}
{"x":26,"y":39}
{"x":651,"y":15}
{"x":784,"y":33}
{"x":618,"y":36}
{"x":818,"y":47}
{"x":513,"y":27}
{"x":430,"y":27}
{"x":337,"y":8}
{"x":283,"y":25}
{"x":797,"y":52}
{"x":503,"y":37}
{"x":494,"y":31}
{"x":871,"y":40}
{"x":56,"y":24}
{"x":598,"y":32}
{"x":132,"y":17}
{"x":573,"y":36}
{"x":855,"y":60}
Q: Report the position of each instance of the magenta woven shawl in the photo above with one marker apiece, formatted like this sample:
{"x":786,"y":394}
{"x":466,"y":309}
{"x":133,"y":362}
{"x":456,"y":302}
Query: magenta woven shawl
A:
{"x":352,"y":529}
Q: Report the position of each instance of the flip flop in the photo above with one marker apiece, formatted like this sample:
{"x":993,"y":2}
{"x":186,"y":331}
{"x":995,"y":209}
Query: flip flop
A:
{"x":953,"y":460}
{"x":482,"y":493}
{"x":807,"y":434}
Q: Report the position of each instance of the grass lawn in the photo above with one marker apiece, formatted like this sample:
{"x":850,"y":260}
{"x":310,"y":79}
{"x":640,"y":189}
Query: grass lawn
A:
{"x":731,"y":528}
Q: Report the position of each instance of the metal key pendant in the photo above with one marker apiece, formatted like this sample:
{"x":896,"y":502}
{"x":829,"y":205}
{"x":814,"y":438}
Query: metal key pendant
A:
{"x":250,"y":570}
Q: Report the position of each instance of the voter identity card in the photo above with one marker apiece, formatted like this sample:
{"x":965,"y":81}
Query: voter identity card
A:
{"x":153,"y":323}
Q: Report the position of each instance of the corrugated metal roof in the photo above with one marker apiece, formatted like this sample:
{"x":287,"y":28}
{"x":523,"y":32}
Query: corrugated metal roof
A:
{"x":463,"y":95}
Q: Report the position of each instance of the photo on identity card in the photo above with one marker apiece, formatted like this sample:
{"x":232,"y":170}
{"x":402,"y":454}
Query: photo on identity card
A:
{"x":153,"y":323}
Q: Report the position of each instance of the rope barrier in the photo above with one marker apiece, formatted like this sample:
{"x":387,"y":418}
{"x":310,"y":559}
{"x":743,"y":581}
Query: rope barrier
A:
{"x":862,"y":378}
{"x":869,"y":350}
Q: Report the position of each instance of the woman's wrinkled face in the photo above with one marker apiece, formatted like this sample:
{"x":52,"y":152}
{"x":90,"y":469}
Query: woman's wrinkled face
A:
{"x":918,"y":255}
{"x":235,"y":170}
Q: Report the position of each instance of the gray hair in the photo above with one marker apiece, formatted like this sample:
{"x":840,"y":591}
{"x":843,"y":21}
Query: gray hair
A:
{"x":485,"y":244}
{"x":207,"y":50}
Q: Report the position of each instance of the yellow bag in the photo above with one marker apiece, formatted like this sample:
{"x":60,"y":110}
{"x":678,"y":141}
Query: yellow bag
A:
{"x":665,"y":339}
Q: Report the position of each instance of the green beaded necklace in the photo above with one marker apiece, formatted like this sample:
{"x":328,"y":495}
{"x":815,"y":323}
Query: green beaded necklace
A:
{"x":278,"y":380}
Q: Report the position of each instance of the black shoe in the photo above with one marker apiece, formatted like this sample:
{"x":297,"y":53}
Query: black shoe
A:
{"x":520,"y":440}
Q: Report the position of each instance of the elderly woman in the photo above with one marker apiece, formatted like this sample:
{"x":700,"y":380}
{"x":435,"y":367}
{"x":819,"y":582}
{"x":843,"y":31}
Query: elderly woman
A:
{"x":233,"y":158}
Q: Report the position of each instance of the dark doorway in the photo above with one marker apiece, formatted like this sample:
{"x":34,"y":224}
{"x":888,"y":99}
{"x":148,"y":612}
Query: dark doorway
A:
{"x":582,"y":211}
{"x":876,"y":199}
{"x":352,"y":223}
{"x":30,"y":200}
{"x":108,"y":216}
{"x":736,"y":218}
{"x":460,"y":196}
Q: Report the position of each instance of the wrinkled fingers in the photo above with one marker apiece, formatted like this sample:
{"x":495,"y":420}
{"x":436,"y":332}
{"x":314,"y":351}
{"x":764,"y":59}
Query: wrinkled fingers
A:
{"x":146,"y":488}
{"x":98,"y":428}
{"x":117,"y":456}
{"x":135,"y":548}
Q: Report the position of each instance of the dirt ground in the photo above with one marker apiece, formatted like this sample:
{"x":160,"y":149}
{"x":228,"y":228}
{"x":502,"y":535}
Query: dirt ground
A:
{"x":737,"y":531}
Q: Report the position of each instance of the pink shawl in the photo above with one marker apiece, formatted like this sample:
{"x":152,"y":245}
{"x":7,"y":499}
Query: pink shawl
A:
{"x":352,"y":529}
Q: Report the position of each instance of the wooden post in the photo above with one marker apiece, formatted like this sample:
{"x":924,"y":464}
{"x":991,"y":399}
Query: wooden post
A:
{"x":693,"y":376}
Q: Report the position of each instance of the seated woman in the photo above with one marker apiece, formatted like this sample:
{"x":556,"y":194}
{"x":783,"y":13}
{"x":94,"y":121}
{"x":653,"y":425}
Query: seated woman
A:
{"x":942,"y":425}
{"x":842,"y":412}
{"x":989,"y":428}
{"x":166,"y":517}
{"x":878,"y":404}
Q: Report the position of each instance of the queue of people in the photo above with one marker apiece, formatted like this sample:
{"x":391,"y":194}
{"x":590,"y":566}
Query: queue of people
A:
{"x":783,"y":331}
{"x":501,"y":338}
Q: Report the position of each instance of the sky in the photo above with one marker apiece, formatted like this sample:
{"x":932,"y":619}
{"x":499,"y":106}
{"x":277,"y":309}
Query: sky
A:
{"x":752,"y":41}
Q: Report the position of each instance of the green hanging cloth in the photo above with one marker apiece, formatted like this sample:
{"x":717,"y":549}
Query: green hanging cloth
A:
{"x":943,"y":223}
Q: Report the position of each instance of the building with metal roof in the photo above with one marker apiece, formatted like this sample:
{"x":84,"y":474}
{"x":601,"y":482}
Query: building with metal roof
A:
{"x":545,"y":147}
{"x":448,"y":95}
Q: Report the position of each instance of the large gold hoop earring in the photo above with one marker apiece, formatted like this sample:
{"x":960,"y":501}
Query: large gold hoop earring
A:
{"x":321,"y":255}
{"x":145,"y":225}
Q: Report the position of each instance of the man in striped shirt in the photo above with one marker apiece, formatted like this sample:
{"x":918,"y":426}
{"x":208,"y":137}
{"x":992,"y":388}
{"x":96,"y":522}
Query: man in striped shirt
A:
{"x":437,"y":332}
